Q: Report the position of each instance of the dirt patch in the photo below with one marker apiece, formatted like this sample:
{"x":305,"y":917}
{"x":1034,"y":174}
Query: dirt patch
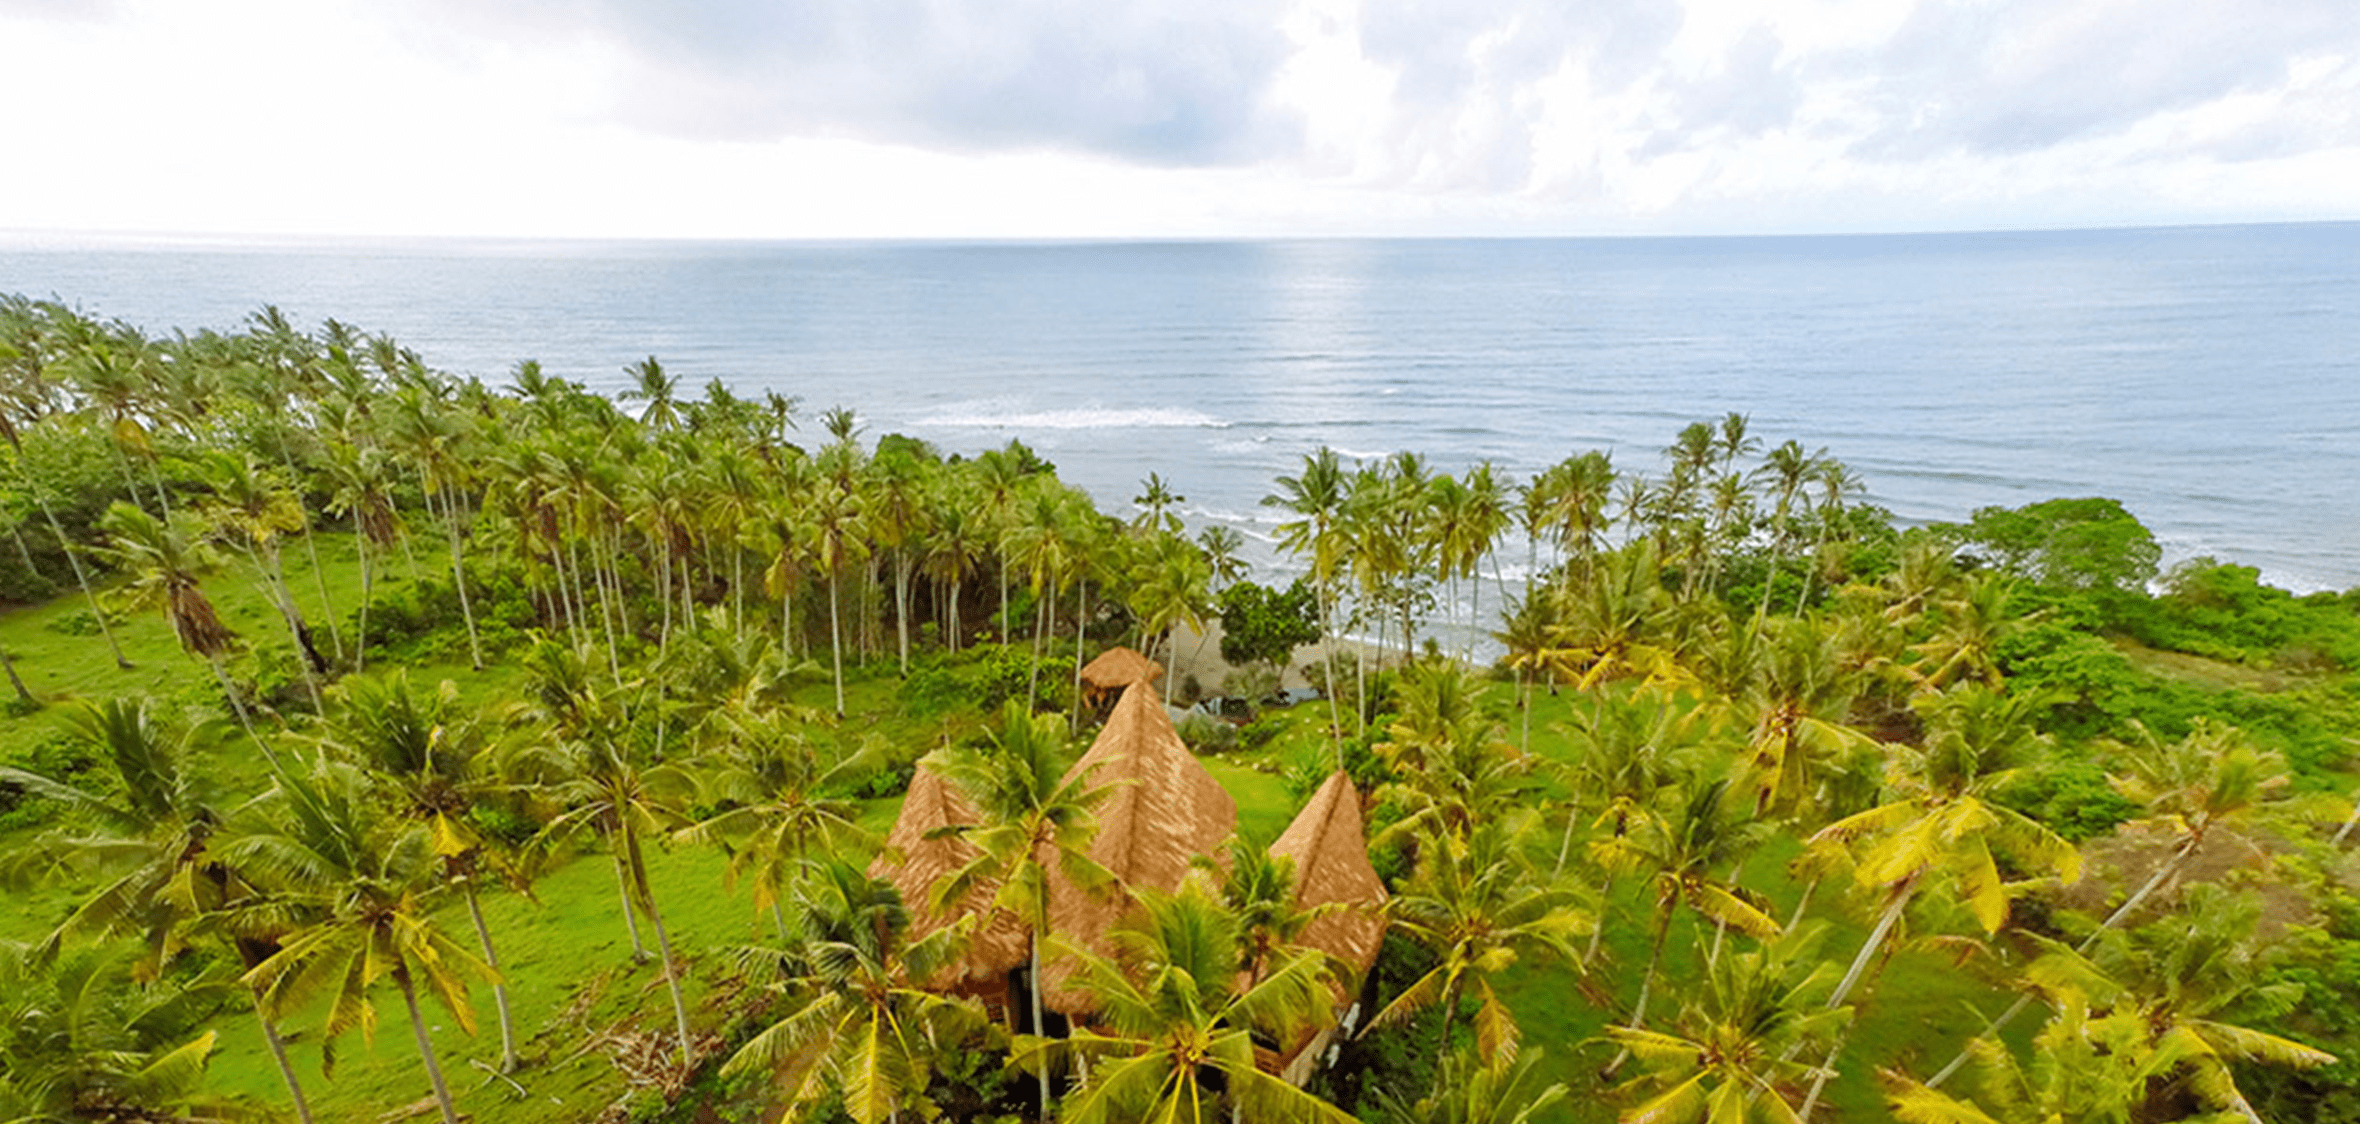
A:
{"x":2115,"y":866}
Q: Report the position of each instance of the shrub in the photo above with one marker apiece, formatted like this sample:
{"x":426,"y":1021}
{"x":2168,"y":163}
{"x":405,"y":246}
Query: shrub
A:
{"x":1206,"y":734}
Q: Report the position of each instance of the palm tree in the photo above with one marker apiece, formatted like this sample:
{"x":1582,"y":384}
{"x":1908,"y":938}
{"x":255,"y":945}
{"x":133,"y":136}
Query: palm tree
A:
{"x":1467,"y":1091}
{"x":2156,"y":1016}
{"x":1173,"y":1039}
{"x":1171,"y":586}
{"x":431,"y":759}
{"x":1728,"y":1057}
{"x":588,"y":771}
{"x":651,"y":384}
{"x":2213,"y":778}
{"x":1454,"y":767}
{"x":83,"y":1043}
{"x":839,"y":526}
{"x":1973,"y":624}
{"x":166,"y":561}
{"x":250,"y":503}
{"x":1479,"y":910}
{"x":1155,"y":502}
{"x":363,"y":489}
{"x":1030,"y":814}
{"x":366,"y":880}
{"x":1678,"y":851}
{"x":1795,"y":703}
{"x":1942,"y":822}
{"x":859,"y":1023}
{"x":27,"y":397}
{"x":157,"y":829}
{"x":289,"y":367}
{"x":1316,"y":497}
{"x":772,"y":796}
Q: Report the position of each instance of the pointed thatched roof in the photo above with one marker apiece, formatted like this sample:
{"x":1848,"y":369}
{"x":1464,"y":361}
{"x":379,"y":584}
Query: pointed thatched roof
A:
{"x":1161,"y":811}
{"x":1119,"y":667}
{"x":914,"y":863}
{"x":1330,"y":850}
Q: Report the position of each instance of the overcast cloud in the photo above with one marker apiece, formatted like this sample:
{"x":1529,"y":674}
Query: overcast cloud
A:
{"x":1045,"y":117}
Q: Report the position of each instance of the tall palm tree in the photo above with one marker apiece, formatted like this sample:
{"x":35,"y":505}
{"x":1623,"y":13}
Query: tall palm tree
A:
{"x":167,"y":560}
{"x":1173,"y":1039}
{"x":1728,"y":1057}
{"x":1155,"y":502}
{"x":84,"y":1043}
{"x":431,"y":759}
{"x":839,"y":528}
{"x":859,"y":1022}
{"x":773,"y":806}
{"x":27,"y":396}
{"x":153,"y":836}
{"x":362,"y":488}
{"x":1679,"y":850}
{"x":599,"y":785}
{"x":2159,"y":1015}
{"x":1942,"y":822}
{"x":1316,"y":497}
{"x":1171,"y":586}
{"x":366,"y":879}
{"x":1479,"y":910}
{"x":251,"y":504}
{"x":1030,"y":815}
{"x":2214,"y":778}
{"x":651,"y":384}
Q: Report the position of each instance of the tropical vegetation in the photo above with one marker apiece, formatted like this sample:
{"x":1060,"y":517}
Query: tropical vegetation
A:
{"x":347,"y":692}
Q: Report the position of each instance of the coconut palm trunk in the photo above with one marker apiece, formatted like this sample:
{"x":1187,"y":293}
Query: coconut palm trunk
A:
{"x":630,"y":916}
{"x":647,"y":901}
{"x":1852,"y":977}
{"x":483,"y":936}
{"x":442,"y":1091}
{"x":450,"y":513}
{"x":23,"y":693}
{"x":82,"y":578}
{"x":278,"y":1054}
{"x":360,"y":638}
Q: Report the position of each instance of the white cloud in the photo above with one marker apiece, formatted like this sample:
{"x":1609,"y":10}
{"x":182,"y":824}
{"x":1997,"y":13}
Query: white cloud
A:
{"x":1039,"y":118}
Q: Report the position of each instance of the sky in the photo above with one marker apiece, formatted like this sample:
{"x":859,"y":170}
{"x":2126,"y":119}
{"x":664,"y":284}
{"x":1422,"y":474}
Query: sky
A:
{"x":1171,"y":118}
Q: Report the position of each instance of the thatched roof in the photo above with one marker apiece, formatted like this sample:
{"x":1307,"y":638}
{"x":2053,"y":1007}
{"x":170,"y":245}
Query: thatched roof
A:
{"x":1330,"y":850}
{"x":1161,"y":811}
{"x":1119,"y":667}
{"x":914,"y":863}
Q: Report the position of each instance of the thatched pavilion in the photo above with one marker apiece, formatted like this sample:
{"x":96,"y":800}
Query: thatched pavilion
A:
{"x":1162,"y":811}
{"x":1329,"y":846}
{"x":918,"y":853}
{"x":1104,"y":678}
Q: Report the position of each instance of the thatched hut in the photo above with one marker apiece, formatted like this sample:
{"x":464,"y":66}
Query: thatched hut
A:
{"x":1329,"y":846}
{"x":918,"y":854}
{"x":1161,"y":811}
{"x":1104,"y":678}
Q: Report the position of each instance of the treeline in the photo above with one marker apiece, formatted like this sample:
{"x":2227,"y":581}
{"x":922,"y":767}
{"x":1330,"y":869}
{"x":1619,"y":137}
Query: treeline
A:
{"x":1960,"y":734}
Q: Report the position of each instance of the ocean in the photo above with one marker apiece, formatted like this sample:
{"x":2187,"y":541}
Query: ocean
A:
{"x":2209,"y":378}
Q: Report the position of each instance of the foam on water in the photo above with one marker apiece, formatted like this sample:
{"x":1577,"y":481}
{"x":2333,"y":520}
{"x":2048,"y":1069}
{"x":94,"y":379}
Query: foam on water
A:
{"x":1079,"y":417}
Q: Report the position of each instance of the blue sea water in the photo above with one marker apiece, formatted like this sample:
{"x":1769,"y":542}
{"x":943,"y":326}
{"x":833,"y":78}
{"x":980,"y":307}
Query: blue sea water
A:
{"x":2207,"y":377}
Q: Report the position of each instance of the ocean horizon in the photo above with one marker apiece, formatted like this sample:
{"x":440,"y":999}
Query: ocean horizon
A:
{"x":2208,"y":377}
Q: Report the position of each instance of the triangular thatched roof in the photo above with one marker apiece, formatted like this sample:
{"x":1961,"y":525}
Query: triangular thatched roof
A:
{"x":914,"y":863}
{"x":1330,"y":848}
{"x":1162,"y":810}
{"x":1119,"y":667}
